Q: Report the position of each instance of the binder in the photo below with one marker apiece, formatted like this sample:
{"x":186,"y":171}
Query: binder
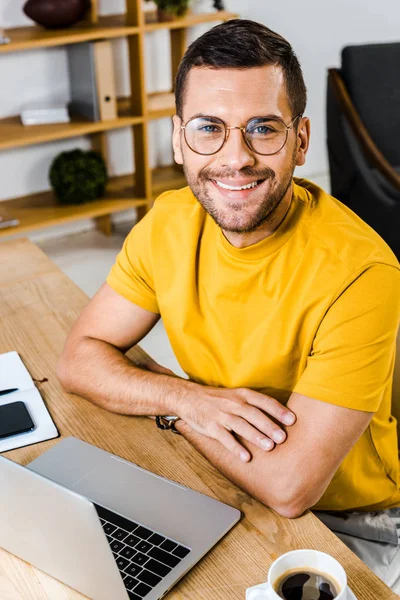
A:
{"x":104,"y":68}
{"x":92,"y":80}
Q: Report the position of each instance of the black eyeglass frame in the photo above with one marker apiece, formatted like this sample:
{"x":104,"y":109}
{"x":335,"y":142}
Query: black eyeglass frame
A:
{"x":243,"y":130}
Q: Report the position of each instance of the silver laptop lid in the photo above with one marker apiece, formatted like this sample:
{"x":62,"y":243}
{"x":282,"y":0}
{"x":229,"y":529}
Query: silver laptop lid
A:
{"x":164,"y":506}
{"x":178,"y":513}
{"x":57,"y":531}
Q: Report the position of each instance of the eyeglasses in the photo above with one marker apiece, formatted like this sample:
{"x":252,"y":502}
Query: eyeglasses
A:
{"x":262,"y":135}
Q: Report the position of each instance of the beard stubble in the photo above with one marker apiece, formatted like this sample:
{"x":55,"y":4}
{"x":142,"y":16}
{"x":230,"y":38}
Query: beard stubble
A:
{"x":239,"y":220}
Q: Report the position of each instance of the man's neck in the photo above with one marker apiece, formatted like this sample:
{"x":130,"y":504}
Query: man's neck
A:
{"x":242,"y":240}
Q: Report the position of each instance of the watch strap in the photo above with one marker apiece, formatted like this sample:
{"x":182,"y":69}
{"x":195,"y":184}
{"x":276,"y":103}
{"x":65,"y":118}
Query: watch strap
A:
{"x":164,"y":422}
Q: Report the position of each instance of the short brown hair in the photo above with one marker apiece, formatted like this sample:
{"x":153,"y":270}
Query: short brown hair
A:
{"x":243,"y":44}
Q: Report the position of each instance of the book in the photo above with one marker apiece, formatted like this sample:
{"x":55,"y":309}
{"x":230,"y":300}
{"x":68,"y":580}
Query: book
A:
{"x":14,"y":374}
{"x":7,"y":219}
{"x":4,"y":39}
{"x":44,"y":113}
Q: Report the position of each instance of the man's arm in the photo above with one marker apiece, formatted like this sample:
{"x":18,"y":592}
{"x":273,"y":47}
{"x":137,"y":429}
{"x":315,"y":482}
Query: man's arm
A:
{"x":294,"y":476}
{"x":94,"y":366}
{"x":289,"y":479}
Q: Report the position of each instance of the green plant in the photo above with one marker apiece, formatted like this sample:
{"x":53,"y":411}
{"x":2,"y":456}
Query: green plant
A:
{"x":78,"y":176}
{"x":176,"y":7}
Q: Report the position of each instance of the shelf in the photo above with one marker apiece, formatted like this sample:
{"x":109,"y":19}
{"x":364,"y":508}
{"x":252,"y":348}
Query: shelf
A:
{"x":42,"y":210}
{"x":110,"y":26}
{"x":167,"y":178}
{"x":161,"y":104}
{"x":14,"y":134}
{"x":24,"y":38}
{"x":190,"y":20}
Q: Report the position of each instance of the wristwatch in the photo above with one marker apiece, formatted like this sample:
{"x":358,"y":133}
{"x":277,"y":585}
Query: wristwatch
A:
{"x":167,"y":422}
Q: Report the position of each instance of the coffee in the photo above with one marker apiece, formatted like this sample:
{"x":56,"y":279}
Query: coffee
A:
{"x":306,"y":584}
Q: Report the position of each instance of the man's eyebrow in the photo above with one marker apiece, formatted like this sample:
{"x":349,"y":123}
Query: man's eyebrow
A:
{"x":204,"y":116}
{"x":268,"y":117}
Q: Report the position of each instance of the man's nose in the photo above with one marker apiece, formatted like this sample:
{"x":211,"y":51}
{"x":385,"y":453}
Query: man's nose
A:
{"x":235,"y":153}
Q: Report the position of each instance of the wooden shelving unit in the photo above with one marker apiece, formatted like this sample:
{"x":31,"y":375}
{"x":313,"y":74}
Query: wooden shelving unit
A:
{"x":13,"y":134}
{"x":121,"y":194}
{"x":42,"y":210}
{"x":190,"y":20}
{"x":32,"y":37}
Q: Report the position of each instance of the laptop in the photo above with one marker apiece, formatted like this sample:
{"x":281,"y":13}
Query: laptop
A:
{"x":103,"y":525}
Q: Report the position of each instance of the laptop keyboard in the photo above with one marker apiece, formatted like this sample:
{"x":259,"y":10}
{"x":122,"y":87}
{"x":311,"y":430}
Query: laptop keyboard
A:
{"x":143,"y":556}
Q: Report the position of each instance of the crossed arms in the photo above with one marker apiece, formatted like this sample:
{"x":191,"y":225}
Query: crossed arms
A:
{"x":231,"y":428}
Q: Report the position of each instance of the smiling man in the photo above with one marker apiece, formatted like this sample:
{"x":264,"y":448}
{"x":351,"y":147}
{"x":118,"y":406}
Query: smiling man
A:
{"x":281,"y":305}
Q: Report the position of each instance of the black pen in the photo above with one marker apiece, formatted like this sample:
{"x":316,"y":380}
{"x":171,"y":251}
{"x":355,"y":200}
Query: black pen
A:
{"x":3,"y":392}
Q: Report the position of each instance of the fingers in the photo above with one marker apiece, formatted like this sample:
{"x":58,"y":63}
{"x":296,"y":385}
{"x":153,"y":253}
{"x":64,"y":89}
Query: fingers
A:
{"x":253,"y":424}
{"x":222,"y":414}
{"x":260,"y":421}
{"x":250,"y":418}
{"x":231,"y":444}
{"x":254,"y":435}
{"x":270,"y":406}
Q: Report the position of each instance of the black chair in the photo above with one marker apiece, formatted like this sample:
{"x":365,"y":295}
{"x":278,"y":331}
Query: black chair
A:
{"x":363,"y":125}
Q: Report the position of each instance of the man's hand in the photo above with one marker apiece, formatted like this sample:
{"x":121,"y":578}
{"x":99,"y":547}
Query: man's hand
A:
{"x":97,"y":346}
{"x":220,"y":413}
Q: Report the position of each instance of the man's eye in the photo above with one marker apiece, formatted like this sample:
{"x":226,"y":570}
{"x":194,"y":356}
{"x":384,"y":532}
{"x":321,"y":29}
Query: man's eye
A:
{"x":210,"y":129}
{"x":261,"y":130}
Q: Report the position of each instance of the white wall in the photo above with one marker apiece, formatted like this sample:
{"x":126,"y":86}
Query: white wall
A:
{"x":317,"y":29}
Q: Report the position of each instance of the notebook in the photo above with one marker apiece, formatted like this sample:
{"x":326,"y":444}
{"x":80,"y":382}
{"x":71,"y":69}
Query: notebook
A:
{"x":14,"y":374}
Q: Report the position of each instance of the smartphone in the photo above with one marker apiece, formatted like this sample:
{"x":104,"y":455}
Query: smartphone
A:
{"x":14,"y":419}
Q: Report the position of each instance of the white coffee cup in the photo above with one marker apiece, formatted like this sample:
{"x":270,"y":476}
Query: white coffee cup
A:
{"x":302,"y":560}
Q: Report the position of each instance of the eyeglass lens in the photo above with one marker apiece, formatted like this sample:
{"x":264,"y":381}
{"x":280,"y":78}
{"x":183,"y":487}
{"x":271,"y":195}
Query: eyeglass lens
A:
{"x":206,"y":135}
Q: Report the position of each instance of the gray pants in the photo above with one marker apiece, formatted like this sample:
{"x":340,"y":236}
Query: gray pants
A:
{"x":374,"y":537}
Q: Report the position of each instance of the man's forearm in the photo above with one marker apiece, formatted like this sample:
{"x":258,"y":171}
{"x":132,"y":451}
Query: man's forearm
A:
{"x":103,"y":374}
{"x":269,"y":477}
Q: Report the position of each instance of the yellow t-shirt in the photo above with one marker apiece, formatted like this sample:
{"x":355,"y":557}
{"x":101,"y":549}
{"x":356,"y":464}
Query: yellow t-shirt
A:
{"x":314,"y":309}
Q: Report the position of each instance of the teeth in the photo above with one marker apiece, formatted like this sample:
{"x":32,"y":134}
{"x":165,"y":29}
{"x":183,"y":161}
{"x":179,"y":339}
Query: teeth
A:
{"x":237,"y":189}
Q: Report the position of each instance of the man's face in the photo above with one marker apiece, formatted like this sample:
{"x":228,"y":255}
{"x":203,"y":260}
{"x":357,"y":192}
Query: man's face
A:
{"x":236,"y":96}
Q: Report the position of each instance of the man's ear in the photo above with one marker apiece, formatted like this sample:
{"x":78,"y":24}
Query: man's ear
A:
{"x":176,"y":139}
{"x":303,"y":141}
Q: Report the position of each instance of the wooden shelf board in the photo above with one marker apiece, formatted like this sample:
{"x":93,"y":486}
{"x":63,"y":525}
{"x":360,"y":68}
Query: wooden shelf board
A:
{"x":24,"y":38}
{"x":161,"y":104}
{"x":191,"y":19}
{"x":109,"y":26}
{"x":42,"y":210}
{"x":167,"y":178}
{"x":13,"y":133}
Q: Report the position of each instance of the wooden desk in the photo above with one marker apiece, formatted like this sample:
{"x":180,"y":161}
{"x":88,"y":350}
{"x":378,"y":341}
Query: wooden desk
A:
{"x":38,"y":305}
